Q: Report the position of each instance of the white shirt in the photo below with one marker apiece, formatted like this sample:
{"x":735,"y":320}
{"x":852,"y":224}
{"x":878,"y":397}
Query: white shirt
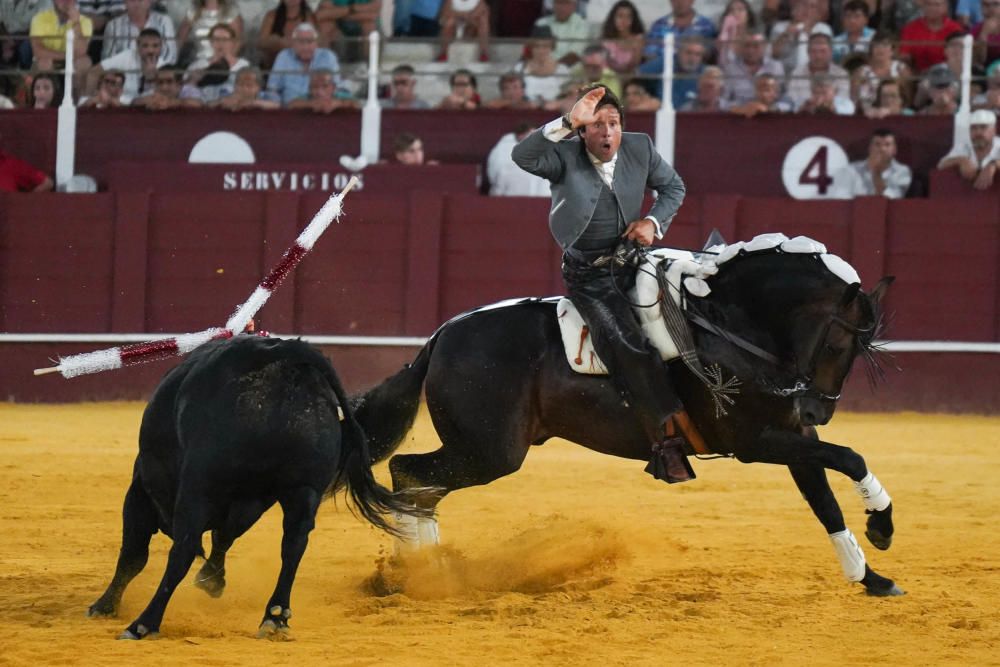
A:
{"x":128,"y":62}
{"x":509,"y":180}
{"x":855,"y":180}
{"x":965,"y":149}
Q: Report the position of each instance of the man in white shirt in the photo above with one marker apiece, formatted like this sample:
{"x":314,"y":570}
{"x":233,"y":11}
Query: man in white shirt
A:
{"x":878,"y":174}
{"x":977,"y":158}
{"x":122,"y":31}
{"x":820,"y":61}
{"x":506,"y":178}
{"x":572,"y":32}
{"x":139,"y":63}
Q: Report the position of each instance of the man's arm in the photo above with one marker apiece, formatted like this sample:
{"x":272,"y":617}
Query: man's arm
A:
{"x":45,"y":186}
{"x":668,"y":186}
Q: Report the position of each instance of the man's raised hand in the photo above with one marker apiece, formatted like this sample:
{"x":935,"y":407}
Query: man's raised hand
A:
{"x":584,"y":111}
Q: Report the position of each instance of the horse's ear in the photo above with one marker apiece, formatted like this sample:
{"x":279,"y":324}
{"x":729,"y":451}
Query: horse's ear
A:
{"x":878,"y":293}
{"x":850,"y":294}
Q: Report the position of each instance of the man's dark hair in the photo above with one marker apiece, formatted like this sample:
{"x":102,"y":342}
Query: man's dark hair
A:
{"x":857,"y":6}
{"x":403,"y":141}
{"x":404,"y":69}
{"x":883,"y":132}
{"x":150,"y":32}
{"x":816,"y":36}
{"x":466,"y":73}
{"x":511,"y":76}
{"x":609,"y":100}
{"x":173,"y":71}
{"x":594,"y":49}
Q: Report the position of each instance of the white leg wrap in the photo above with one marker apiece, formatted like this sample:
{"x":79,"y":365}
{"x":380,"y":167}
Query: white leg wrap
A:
{"x":409,"y":535}
{"x":852,"y":559}
{"x":873,"y":495}
{"x":427,"y":532}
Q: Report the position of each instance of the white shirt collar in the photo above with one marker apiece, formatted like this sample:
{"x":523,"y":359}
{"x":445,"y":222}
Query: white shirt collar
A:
{"x":605,"y":169}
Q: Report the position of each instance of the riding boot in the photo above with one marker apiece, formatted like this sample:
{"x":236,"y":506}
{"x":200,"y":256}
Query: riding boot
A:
{"x":669,"y":461}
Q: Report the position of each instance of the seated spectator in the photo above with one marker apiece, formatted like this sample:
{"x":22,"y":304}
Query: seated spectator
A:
{"x":418,"y":18}
{"x":708,"y":98}
{"x":249,"y":93}
{"x":290,"y":76}
{"x":408,"y":149}
{"x":277,"y":26}
{"x":200,"y":19}
{"x":820,"y":61}
{"x":15,"y":24}
{"x":19,"y":176}
{"x":987,"y":34}
{"x":323,"y":96}
{"x":140,"y":64}
{"x":623,"y":35}
{"x":881,"y":65}
{"x":856,"y":35}
{"x":976,"y":158}
{"x":404,"y":86}
{"x":682,"y":22}
{"x":890,"y":100}
{"x":766,"y":99}
{"x":738,"y":20}
{"x":750,"y":61}
{"x":571,"y":32}
{"x":100,"y":12}
{"x":789,"y":39}
{"x":167,"y":93}
{"x":45,"y":91}
{"x":48,"y":36}
{"x":593,"y":68}
{"x":898,"y":14}
{"x":543,"y":74}
{"x":216,"y":77}
{"x":922,"y":39}
{"x":464,"y":93}
{"x":109,"y":92}
{"x":511,"y":94}
{"x":637,"y":98}
{"x":122,"y":32}
{"x":944,"y":99}
{"x":337,"y":19}
{"x":506,"y":179}
{"x":878,"y":174}
{"x":688,"y":66}
{"x":950,"y":72}
{"x":569,"y":93}
{"x":825,"y":99}
{"x":471,"y":15}
{"x":990,"y":98}
{"x":6,"y":103}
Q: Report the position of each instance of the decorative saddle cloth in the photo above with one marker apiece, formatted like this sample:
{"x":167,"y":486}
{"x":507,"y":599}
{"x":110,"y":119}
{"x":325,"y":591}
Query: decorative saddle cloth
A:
{"x":685,"y":272}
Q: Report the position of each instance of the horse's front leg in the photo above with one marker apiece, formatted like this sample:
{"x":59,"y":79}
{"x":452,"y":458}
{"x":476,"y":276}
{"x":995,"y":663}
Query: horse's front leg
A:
{"x":807,"y":458}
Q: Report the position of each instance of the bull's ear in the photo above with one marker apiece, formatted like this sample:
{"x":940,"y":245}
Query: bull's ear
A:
{"x":850,"y":294}
{"x":878,"y":293}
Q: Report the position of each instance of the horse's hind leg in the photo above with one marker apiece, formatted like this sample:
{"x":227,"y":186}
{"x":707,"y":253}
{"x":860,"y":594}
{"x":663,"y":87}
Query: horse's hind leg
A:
{"x":138,"y":527}
{"x":299,"y":510}
{"x":211,"y":578}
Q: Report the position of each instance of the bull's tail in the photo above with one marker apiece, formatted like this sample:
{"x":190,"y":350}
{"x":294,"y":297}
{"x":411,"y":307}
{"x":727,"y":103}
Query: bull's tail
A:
{"x":387,"y":411}
{"x":367,"y":497}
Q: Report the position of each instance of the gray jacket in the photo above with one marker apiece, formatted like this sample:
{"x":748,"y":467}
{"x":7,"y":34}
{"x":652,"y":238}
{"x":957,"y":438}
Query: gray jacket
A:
{"x":576,"y":184}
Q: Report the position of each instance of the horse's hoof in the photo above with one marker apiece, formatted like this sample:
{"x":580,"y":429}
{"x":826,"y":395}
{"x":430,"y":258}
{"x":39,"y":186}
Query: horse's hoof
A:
{"x":276,"y":632}
{"x":213,"y":584}
{"x":878,"y":540}
{"x":892,"y":591}
{"x":101,"y":610}
{"x":136,"y":632}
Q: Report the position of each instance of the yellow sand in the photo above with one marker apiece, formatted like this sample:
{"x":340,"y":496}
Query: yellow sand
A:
{"x":578,"y":559}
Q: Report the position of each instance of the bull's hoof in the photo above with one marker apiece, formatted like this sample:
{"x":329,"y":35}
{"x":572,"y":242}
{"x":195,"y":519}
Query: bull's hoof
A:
{"x":211,"y":581}
{"x":878,"y":586}
{"x":275,"y":625}
{"x":138,"y":631}
{"x":102,"y":609}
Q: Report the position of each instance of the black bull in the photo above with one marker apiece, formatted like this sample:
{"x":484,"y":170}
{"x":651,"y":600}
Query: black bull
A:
{"x":497,"y":382}
{"x":239,"y":426}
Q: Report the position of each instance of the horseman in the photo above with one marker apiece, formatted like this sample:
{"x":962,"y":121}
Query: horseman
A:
{"x":599,"y":176}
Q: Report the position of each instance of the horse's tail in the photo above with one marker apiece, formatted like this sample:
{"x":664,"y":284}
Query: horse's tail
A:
{"x":386,"y":412}
{"x":368,"y":498}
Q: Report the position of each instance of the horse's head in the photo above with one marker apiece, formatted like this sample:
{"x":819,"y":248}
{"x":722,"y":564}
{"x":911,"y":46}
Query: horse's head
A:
{"x":826,"y":339}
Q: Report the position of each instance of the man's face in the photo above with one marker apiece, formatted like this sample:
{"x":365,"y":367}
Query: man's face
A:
{"x":403,"y":86}
{"x":682,"y":7}
{"x":247,"y":86}
{"x":414,"y":155}
{"x":953,"y":52}
{"x":63,"y":6}
{"x":854,"y":22}
{"x":150,"y":48}
{"x":633,"y":96}
{"x":691,"y":56}
{"x":982,"y":136}
{"x":563,"y":9}
{"x":767,"y":90}
{"x":935,"y":9}
{"x":321,"y":87}
{"x":804,"y":11}
{"x":137,"y":7}
{"x":593,"y":65}
{"x":991,"y":8}
{"x":112,"y":85}
{"x":512,"y":89}
{"x":603,"y":137}
{"x":891,"y":97}
{"x":820,"y":54}
{"x":304,"y":45}
{"x":753,"y":49}
{"x":882,"y":149}
{"x":223,"y":44}
{"x":167,"y":85}
{"x":462,"y":87}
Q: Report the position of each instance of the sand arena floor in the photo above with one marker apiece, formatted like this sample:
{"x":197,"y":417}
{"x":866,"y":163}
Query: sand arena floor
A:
{"x":578,"y":559}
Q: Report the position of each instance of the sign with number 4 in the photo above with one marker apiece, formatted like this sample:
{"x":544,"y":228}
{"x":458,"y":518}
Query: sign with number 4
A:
{"x":809,"y":168}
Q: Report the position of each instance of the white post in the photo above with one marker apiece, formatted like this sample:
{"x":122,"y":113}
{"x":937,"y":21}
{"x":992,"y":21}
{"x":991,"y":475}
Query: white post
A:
{"x":371,"y":115}
{"x":666,"y":117}
{"x":965,"y":105}
{"x":66,"y":128}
